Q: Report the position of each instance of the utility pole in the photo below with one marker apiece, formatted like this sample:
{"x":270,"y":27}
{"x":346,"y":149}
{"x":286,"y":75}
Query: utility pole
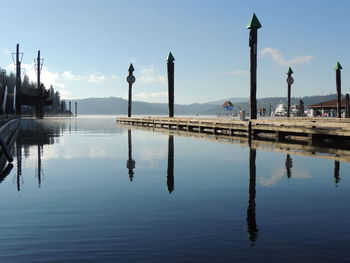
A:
{"x":253,"y":25}
{"x":17,"y":58}
{"x":38,"y":64}
{"x":130,"y":79}
{"x":70,"y":108}
{"x":171,"y":60}
{"x":338,"y":68}
{"x":290,"y":81}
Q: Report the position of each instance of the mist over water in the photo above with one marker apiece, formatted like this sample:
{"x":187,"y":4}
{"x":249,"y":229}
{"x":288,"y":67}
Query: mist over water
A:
{"x":86,"y":190}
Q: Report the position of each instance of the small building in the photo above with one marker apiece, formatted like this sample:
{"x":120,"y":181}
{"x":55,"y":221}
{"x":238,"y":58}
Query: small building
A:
{"x":326,"y":108}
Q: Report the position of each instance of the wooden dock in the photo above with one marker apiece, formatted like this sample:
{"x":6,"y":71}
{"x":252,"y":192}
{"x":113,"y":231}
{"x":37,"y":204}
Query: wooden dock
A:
{"x":305,"y":129}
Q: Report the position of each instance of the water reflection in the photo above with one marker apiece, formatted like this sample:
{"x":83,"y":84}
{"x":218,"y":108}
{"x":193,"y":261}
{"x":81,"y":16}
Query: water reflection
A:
{"x":289,"y":166}
{"x":35,"y":133}
{"x":336,"y":172}
{"x":252,"y":227}
{"x":170,"y":171}
{"x":130,"y":164}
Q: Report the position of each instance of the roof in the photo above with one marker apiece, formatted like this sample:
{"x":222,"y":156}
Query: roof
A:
{"x":328,"y":104}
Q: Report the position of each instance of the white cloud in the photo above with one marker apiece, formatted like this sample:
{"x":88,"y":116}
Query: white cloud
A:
{"x":6,"y":52}
{"x":68,"y":75}
{"x":237,"y":72}
{"x":277,"y":56}
{"x":148,"y":75}
{"x":147,"y":95}
{"x":97,"y":78}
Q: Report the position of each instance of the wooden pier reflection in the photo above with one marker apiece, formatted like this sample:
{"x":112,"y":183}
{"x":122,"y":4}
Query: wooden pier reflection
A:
{"x":332,"y":151}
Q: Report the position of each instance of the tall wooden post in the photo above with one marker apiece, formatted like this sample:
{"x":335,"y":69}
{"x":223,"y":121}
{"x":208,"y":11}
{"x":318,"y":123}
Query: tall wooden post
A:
{"x":170,"y":171}
{"x":338,"y":68}
{"x":253,"y":25}
{"x":70,"y":108}
{"x":171,"y":60}
{"x":76,"y":109}
{"x":290,"y":81}
{"x":252,"y":227}
{"x":130,"y":79}
{"x":347,"y":106}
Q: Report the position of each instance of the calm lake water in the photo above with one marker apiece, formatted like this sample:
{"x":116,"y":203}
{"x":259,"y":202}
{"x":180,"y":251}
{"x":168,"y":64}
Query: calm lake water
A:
{"x":84,"y":190}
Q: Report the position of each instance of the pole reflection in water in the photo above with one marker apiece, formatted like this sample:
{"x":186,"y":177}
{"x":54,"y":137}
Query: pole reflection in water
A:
{"x":34,"y":135}
{"x":130,"y":164}
{"x":40,"y":149}
{"x":252,"y":227}
{"x":336,"y":172}
{"x":289,"y":166}
{"x":19,"y":165}
{"x":170,"y":172}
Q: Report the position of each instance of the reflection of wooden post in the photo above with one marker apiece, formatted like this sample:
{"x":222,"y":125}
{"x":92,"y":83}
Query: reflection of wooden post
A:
{"x":253,"y":25}
{"x":289,"y":166}
{"x":19,"y":165}
{"x":338,"y":67}
{"x":252,"y":227}
{"x":39,"y":166}
{"x":171,"y":60}
{"x":130,"y":163}
{"x":170,"y":172}
{"x":336,"y":172}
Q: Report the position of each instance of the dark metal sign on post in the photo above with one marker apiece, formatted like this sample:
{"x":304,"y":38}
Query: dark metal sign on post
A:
{"x":131,"y":80}
{"x":253,"y":25}
{"x":290,"y":81}
{"x":171,"y":60}
{"x":338,"y":68}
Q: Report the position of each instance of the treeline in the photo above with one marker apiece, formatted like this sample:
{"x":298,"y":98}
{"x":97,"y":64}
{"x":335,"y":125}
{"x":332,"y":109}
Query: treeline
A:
{"x":58,"y":106}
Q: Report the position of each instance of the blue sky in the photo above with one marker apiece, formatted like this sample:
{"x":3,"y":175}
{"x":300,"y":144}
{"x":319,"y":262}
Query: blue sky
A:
{"x":88,"y":46}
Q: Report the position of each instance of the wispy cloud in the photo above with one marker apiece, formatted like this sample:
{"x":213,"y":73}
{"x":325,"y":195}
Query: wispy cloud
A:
{"x":68,"y":75}
{"x":237,"y":72}
{"x":97,"y":78}
{"x":278,"y":57}
{"x":6,"y":52}
{"x":149,"y":75}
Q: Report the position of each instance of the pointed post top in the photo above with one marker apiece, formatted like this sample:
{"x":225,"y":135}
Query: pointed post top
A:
{"x":338,"y":66}
{"x":254,"y":23}
{"x":171,"y":57}
{"x":131,"y":68}
{"x":290,"y":71}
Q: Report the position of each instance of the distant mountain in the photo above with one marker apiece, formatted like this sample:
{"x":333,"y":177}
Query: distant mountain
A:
{"x":233,"y":100}
{"x":116,"y":106}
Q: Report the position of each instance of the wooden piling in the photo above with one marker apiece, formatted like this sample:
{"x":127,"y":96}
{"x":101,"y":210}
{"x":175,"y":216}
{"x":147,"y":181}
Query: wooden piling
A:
{"x":253,"y":25}
{"x":171,"y":60}
{"x":338,"y":68}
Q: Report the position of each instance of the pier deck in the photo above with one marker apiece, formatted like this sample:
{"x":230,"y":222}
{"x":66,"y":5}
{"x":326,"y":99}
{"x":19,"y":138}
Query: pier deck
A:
{"x":281,"y":128}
